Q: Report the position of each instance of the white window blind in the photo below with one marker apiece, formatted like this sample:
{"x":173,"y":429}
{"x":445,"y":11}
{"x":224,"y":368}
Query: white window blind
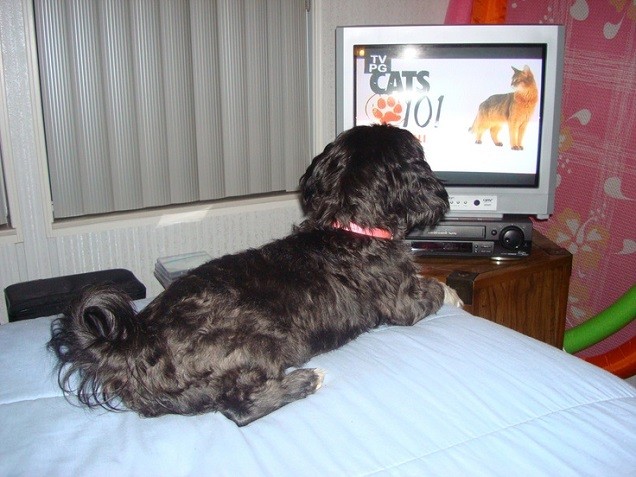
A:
{"x":4,"y":210}
{"x":155,"y":102}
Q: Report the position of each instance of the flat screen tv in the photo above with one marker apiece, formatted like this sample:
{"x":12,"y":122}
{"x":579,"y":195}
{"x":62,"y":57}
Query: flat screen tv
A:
{"x":484,"y":101}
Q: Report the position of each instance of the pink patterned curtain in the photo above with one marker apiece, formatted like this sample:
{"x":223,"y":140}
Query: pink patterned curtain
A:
{"x":459,"y":12}
{"x":595,"y":212}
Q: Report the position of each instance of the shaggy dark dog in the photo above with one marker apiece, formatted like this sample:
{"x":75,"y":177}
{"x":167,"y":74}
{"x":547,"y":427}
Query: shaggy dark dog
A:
{"x":223,"y":337}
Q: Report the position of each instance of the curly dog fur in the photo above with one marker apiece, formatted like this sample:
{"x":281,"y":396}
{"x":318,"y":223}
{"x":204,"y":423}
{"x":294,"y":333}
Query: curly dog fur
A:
{"x":223,"y":337}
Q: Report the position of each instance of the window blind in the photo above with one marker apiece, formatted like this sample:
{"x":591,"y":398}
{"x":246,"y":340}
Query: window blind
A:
{"x":155,"y":102}
{"x":4,"y":210}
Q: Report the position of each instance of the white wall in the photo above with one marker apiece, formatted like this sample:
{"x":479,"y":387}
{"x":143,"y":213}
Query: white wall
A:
{"x":37,"y":249}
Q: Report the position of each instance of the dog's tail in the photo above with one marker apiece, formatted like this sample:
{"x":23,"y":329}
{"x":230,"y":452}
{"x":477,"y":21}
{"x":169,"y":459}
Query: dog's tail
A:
{"x":100,"y":329}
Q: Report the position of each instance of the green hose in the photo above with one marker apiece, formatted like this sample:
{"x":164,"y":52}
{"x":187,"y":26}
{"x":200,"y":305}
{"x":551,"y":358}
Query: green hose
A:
{"x":616,"y":316}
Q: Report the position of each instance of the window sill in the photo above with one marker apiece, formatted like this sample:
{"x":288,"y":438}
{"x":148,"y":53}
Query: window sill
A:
{"x":166,"y":216}
{"x":9,"y":235}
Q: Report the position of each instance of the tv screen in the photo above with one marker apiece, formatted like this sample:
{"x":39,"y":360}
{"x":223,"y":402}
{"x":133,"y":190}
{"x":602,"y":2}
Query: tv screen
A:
{"x":483,"y":101}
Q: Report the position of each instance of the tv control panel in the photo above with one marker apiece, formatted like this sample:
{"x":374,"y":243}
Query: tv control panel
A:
{"x":473,"y":203}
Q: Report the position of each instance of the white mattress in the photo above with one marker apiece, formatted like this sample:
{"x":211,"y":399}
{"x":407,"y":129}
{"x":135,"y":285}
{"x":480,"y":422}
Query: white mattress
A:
{"x":453,"y":395}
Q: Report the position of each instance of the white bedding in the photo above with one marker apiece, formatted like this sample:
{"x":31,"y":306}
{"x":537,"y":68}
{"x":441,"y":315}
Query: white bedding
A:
{"x":453,"y":395}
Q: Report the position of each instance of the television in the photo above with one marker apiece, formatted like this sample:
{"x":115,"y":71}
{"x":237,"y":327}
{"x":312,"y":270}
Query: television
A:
{"x":492,"y":143}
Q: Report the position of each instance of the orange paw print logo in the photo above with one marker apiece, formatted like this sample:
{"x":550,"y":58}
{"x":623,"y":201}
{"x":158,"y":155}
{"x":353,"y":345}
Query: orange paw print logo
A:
{"x":387,"y":109}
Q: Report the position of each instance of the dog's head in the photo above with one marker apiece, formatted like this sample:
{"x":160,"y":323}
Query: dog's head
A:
{"x":375,"y":177}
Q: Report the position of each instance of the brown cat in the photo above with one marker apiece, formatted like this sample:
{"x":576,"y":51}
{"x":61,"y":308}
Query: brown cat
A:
{"x":513,"y":109}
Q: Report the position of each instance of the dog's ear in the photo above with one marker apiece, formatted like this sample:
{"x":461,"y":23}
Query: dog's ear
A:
{"x":374,"y":176}
{"x":428,"y":202}
{"x":414,"y":194}
{"x":316,"y":186}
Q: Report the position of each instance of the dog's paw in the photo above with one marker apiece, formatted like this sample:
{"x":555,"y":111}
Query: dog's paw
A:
{"x":451,"y":297}
{"x":303,"y":382}
{"x":320,"y":377}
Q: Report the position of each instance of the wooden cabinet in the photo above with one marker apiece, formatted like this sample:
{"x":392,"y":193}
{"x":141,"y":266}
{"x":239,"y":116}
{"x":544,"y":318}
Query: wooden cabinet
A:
{"x":528,"y":295}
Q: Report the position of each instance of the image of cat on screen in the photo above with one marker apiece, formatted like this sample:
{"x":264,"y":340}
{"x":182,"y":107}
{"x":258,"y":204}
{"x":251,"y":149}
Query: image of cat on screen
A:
{"x":513,"y":110}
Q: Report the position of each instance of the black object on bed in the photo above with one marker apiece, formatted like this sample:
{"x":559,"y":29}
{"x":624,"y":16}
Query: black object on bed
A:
{"x":51,"y":296}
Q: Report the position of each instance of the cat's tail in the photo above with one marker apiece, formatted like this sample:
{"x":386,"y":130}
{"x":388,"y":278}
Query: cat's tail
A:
{"x":92,"y":342}
{"x":473,"y":127}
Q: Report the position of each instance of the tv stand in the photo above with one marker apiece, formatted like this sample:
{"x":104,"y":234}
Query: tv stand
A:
{"x":528,"y":295}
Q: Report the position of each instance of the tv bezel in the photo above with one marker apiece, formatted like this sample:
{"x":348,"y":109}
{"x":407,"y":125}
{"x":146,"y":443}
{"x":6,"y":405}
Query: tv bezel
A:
{"x":534,"y":200}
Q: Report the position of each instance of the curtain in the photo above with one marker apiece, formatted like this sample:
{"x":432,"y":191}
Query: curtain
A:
{"x":489,"y":11}
{"x":156,"y":102}
{"x":463,"y":12}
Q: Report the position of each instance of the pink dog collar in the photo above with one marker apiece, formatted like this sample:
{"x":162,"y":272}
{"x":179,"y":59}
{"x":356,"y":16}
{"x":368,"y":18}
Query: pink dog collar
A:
{"x":356,"y":229}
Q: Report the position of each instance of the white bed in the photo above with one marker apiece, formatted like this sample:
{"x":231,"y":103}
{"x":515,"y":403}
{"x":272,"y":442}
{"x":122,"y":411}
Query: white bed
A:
{"x":453,"y":395}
